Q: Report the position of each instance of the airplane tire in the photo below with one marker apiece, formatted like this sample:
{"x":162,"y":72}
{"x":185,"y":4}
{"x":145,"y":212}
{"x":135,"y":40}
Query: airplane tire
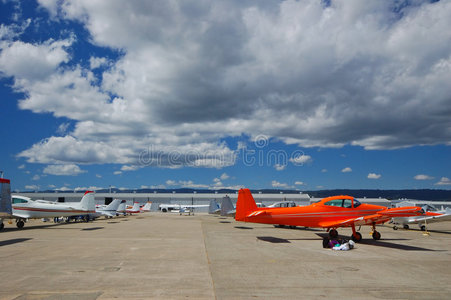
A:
{"x":20,"y":224}
{"x":333,"y":233}
{"x":406,"y":226}
{"x":376,"y":235}
{"x":395,"y":227}
{"x":164,"y":210}
{"x":2,"y":226}
{"x":423,"y":228}
{"x":325,"y":242}
{"x":357,"y":237}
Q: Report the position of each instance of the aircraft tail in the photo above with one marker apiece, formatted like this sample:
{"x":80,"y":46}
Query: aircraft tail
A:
{"x":227,"y":206}
{"x":147,"y":206}
{"x":245,"y":205}
{"x":134,"y":209}
{"x":113,"y":206}
{"x":121,"y":208}
{"x":5,"y":197}
{"x":214,"y":207}
{"x":88,"y":202}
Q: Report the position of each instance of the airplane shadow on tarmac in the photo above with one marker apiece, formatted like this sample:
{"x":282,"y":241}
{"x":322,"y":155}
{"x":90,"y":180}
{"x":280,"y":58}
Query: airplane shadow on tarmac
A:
{"x":383,"y":243}
{"x":431,"y":231}
{"x":243,"y":227}
{"x":371,"y":242}
{"x":58,"y":226}
{"x":13,"y":241}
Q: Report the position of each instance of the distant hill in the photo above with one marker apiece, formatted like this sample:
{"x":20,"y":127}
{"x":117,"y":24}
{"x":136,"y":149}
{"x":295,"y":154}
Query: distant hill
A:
{"x":423,"y":194}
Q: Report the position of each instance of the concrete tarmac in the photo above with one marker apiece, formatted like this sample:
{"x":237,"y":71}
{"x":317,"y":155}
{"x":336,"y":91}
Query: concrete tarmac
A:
{"x":168,"y":256}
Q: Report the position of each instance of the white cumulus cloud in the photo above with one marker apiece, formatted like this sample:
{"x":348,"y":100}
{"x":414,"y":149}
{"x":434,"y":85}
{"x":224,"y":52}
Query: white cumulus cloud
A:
{"x":444,"y":181}
{"x":66,"y":170}
{"x":423,"y":177}
{"x":277,"y":184}
{"x":346,"y":170}
{"x":374,"y":176}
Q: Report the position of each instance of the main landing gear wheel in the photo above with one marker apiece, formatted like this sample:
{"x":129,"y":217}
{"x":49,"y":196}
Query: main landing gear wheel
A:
{"x":325,"y":242}
{"x":20,"y":224}
{"x":406,"y":226}
{"x":423,"y":228}
{"x":376,"y":235}
{"x":333,"y":233}
{"x":357,"y":237}
{"x":2,"y":226}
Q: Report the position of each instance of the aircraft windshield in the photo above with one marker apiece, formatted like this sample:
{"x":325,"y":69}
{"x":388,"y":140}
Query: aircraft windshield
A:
{"x":346,"y":203}
{"x":336,"y":202}
{"x":356,"y":203}
{"x":19,"y":200}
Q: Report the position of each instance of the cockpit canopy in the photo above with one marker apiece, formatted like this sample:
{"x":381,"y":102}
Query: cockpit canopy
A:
{"x":346,"y":203}
{"x":19,"y":199}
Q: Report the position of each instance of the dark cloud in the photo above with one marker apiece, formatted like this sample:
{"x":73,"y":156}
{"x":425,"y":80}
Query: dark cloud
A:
{"x":315,"y":73}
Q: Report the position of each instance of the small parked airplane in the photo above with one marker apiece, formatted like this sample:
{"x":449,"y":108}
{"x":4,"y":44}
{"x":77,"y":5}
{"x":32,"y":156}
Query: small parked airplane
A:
{"x":214,"y":207}
{"x":5,"y":201}
{"x":283,"y":204}
{"x":433,"y":216}
{"x":225,"y":209}
{"x":133,"y":209}
{"x":121,"y":209}
{"x":180,"y":208}
{"x":330,"y":213}
{"x":109,"y":210}
{"x":24,"y":208}
{"x":146,"y":207}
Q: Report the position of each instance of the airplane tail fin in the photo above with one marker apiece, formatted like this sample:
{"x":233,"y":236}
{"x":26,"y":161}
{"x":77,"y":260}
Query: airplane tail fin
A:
{"x":121,"y":208}
{"x":5,"y":197}
{"x":147,"y":206}
{"x":113,"y":206}
{"x":214,"y":207}
{"x":245,"y":204}
{"x":135,"y":208}
{"x":88,"y":202}
{"x":227,"y":206}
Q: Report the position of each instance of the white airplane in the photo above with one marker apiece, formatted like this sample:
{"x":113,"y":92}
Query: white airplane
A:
{"x":227,"y":208}
{"x":180,"y":208}
{"x":24,"y":208}
{"x":146,"y":207}
{"x":133,"y":209}
{"x":5,"y":201}
{"x":283,"y":204}
{"x":214,"y":207}
{"x":109,"y":210}
{"x":121,"y":208}
{"x":422,"y":221}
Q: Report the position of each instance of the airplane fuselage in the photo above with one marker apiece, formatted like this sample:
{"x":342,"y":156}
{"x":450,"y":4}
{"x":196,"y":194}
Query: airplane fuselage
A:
{"x":314,"y":215}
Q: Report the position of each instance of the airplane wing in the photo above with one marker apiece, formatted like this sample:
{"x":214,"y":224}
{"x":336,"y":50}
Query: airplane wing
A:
{"x":20,"y":215}
{"x":107,"y":213}
{"x":430,"y":218}
{"x":195,"y":206}
{"x":366,"y":220}
{"x":377,"y":218}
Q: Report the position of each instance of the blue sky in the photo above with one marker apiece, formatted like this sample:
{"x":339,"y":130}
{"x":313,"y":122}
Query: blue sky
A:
{"x":300,"y":95}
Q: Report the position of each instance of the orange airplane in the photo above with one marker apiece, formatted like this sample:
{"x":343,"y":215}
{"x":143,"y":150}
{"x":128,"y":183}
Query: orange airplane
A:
{"x":329,"y":213}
